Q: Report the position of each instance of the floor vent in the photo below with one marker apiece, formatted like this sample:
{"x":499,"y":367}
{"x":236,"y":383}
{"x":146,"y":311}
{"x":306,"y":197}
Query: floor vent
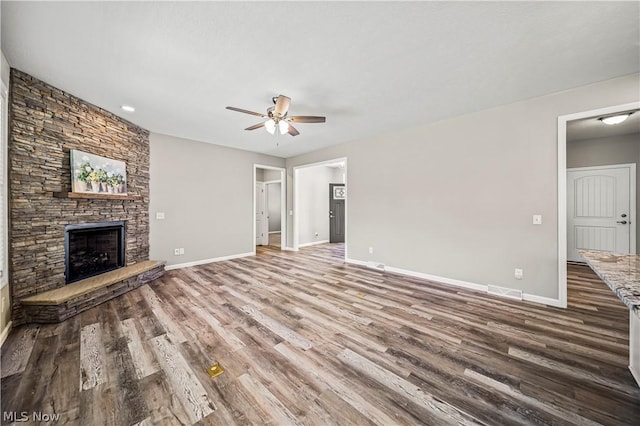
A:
{"x":215,"y":370}
{"x":511,"y":293}
{"x":375,"y":265}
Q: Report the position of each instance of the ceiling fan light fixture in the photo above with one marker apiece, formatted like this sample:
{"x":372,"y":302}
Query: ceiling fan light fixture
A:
{"x":615,"y":119}
{"x":283,"y":126}
{"x":270,"y":125}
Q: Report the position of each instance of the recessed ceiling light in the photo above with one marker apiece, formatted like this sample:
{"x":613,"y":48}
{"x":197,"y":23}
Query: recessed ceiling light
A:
{"x":128,"y":108}
{"x":615,"y":119}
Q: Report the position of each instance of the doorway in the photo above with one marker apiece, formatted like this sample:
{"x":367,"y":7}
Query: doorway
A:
{"x":567,"y":126}
{"x":269,"y":206}
{"x":312,"y":208}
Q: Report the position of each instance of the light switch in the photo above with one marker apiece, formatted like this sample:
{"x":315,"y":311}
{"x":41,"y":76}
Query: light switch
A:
{"x":160,"y":215}
{"x":537,"y":219}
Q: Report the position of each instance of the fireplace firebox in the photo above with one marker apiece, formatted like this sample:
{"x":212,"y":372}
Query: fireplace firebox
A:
{"x":93,"y":248}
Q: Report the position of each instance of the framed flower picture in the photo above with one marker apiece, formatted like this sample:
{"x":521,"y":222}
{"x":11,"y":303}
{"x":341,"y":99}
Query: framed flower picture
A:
{"x":95,"y":174}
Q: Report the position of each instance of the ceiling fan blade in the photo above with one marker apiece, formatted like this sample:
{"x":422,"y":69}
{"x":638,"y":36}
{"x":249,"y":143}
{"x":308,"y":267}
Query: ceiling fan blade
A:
{"x":282,"y":106}
{"x":306,"y":119}
{"x":246,"y":111}
{"x":255,"y":126}
{"x":293,"y":131}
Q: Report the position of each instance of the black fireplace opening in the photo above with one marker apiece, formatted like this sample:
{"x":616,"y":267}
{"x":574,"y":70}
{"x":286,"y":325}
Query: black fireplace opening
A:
{"x":92,"y":249}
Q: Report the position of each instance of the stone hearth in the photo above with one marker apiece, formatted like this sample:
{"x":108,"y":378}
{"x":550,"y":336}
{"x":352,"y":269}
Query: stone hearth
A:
{"x":45,"y":123}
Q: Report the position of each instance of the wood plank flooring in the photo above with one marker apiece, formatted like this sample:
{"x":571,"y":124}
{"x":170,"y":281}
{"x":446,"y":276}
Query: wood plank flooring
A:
{"x":306,"y":339}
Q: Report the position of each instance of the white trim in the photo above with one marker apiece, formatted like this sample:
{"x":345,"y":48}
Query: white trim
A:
{"x":562,"y":188}
{"x":543,"y":300}
{"x":287,"y":248}
{"x":314,"y":243}
{"x":443,"y":280}
{"x":205,"y":261}
{"x":274,"y":232}
{"x":267,"y":182}
{"x":283,"y":203}
{"x":4,"y":169}
{"x":635,"y":374}
{"x":458,"y":283}
{"x":5,"y":332}
{"x":632,"y":195}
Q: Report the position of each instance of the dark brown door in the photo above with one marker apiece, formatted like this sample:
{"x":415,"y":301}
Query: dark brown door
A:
{"x":337,"y":195}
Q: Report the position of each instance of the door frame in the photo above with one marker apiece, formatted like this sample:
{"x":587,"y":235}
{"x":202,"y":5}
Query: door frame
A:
{"x":562,"y":188}
{"x":296,"y":207}
{"x":632,"y":195}
{"x":283,"y":203}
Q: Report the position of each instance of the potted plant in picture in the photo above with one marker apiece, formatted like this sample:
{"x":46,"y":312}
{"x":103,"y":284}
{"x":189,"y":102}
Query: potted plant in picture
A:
{"x":94,"y":178}
{"x":82,"y":177}
{"x":120,"y":187}
{"x":102,"y":175}
{"x":112,"y":182}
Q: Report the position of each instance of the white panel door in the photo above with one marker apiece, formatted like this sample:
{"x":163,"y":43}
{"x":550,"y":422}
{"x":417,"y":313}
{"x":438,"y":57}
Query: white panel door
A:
{"x":598,"y":210}
{"x":261,"y":216}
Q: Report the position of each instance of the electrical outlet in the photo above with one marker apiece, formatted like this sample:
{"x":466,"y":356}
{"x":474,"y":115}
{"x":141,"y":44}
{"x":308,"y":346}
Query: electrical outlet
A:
{"x":176,"y":252}
{"x":181,"y":250}
{"x":537,"y":219}
{"x":370,"y":250}
{"x":518,"y":273}
{"x":160,"y":215}
{"x":316,"y":235}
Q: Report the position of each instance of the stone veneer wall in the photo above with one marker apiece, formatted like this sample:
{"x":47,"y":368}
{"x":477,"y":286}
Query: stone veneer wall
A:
{"x":45,"y":123}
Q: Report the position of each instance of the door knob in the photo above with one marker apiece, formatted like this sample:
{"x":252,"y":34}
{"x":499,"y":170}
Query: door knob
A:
{"x":623,"y":222}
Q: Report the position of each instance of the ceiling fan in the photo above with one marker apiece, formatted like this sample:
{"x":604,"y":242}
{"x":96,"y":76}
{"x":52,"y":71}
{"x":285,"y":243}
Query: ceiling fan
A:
{"x":277,"y":118}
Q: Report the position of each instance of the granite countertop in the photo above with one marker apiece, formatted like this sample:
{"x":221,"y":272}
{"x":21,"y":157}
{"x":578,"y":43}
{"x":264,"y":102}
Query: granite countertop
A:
{"x":621,"y":272}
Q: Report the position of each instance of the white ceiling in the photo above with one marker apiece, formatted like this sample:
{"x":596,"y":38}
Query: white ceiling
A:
{"x":370,"y":67}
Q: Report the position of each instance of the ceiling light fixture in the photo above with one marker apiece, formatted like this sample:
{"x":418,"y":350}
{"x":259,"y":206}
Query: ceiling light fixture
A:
{"x":283,"y":126}
{"x":271,"y":124}
{"x":615,"y":119}
{"x":128,"y":108}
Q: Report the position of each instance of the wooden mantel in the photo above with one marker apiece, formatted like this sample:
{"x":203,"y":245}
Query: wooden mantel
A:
{"x":98,"y":195}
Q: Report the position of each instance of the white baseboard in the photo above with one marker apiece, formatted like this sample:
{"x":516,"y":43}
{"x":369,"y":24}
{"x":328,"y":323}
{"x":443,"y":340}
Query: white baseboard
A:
{"x":459,"y":283}
{"x":635,"y":374}
{"x":542,"y":300}
{"x":444,"y":280}
{"x":356,"y":262}
{"x":288,"y":248}
{"x":5,"y":332}
{"x":312,"y":243}
{"x":205,"y":261}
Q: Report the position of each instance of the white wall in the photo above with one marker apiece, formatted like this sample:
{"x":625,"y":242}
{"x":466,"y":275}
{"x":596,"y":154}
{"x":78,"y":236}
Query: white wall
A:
{"x":206,"y":194}
{"x":622,"y":149}
{"x":274,"y":198}
{"x":312,"y":187}
{"x":271,"y":175}
{"x":455,"y":198}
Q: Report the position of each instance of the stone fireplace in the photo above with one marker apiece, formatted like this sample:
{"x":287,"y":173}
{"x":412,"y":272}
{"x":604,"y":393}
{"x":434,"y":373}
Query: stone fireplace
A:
{"x":45,"y":123}
{"x":92,"y":249}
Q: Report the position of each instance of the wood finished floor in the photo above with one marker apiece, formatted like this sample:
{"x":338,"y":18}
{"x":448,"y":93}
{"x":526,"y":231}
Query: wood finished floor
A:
{"x":306,"y":339}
